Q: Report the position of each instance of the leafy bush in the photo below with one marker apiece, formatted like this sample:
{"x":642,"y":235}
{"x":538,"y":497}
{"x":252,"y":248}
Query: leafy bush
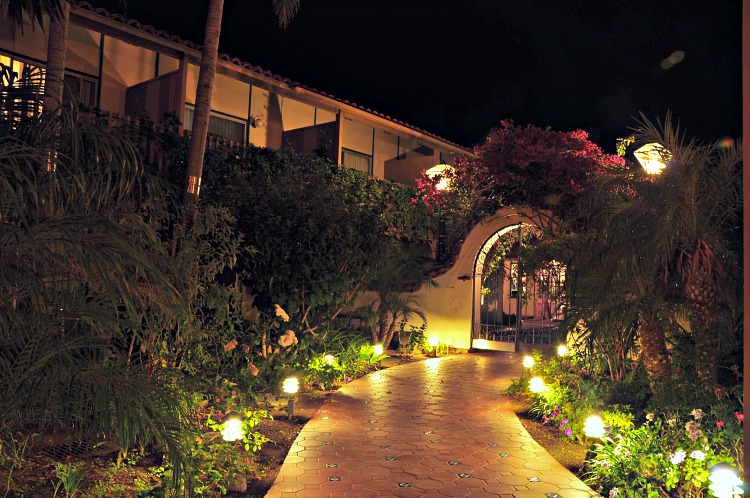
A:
{"x":669,"y":454}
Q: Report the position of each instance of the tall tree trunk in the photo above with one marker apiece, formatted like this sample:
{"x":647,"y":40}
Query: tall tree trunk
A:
{"x":57,"y":45}
{"x":203,"y":102}
{"x":654,"y":351}
{"x":703,"y":295}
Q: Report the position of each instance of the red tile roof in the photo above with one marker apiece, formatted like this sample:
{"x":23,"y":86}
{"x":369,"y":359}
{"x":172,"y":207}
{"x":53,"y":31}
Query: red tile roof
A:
{"x":82,"y":4}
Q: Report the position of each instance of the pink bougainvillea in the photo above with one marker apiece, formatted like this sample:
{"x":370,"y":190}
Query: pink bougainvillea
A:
{"x":539,"y":167}
{"x":523,"y":166}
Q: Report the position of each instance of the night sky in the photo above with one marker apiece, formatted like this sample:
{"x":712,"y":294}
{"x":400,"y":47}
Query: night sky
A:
{"x":456,"y":68}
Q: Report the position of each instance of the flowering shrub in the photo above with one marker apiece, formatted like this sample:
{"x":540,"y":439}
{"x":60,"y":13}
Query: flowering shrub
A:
{"x":542,"y":168}
{"x":569,"y":396}
{"x":667,"y":455}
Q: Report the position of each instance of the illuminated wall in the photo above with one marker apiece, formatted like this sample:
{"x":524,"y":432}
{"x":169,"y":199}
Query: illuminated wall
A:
{"x":450,"y":306}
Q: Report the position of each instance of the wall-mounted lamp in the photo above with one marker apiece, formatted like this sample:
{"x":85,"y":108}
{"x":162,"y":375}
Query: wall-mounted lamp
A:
{"x":255,"y":121}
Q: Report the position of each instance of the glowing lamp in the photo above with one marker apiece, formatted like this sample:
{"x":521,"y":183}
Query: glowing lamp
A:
{"x":231,"y":427}
{"x":724,"y":481}
{"x":528,"y":361}
{"x":377,"y":349}
{"x":290,"y":385}
{"x":594,"y":427}
{"x":562,"y":350}
{"x":440,"y":170}
{"x":536,"y":385}
{"x":433,"y":341}
{"x":329,"y":359}
{"x":653,"y":157}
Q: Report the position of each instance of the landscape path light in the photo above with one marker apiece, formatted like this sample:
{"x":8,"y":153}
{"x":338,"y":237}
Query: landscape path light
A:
{"x":377,"y":349}
{"x":290,"y":386}
{"x":536,"y":385}
{"x":433,"y":342}
{"x":231,"y":427}
{"x":329,"y":359}
{"x":594,"y":427}
{"x":724,"y":481}
{"x":562,"y":350}
{"x":653,"y":157}
{"x":528,"y":362}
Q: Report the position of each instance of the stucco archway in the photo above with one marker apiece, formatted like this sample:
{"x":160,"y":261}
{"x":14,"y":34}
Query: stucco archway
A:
{"x":450,"y":307}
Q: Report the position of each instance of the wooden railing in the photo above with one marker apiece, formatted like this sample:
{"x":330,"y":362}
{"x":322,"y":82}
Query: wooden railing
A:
{"x":150,"y":137}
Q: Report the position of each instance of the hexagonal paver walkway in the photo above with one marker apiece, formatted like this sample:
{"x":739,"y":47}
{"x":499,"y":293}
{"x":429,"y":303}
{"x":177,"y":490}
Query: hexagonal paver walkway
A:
{"x":439,"y":427}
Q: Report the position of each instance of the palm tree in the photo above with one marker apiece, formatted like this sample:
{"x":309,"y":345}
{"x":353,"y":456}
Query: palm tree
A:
{"x":697,"y":201}
{"x":81,"y":267}
{"x":285,"y":10}
{"x":398,"y":271}
{"x":662,"y":243}
{"x":57,"y":47}
{"x":58,"y":12}
{"x":608,"y":278}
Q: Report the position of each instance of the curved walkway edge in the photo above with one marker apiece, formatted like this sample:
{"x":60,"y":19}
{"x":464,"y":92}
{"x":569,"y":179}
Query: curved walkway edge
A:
{"x":433,"y":428}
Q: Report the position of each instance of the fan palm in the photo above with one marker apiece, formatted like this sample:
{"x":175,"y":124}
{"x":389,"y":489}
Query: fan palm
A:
{"x":81,"y":267}
{"x":696,"y":205}
{"x":662,"y":243}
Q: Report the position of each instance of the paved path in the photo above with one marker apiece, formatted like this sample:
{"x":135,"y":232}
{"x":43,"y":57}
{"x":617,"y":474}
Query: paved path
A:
{"x":433,"y":428}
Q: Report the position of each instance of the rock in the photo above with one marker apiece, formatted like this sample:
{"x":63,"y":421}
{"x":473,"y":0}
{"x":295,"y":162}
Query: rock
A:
{"x":238,"y":485}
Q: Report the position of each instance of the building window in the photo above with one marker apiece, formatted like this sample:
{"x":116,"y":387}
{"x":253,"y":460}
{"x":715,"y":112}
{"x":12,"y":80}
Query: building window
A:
{"x":81,"y":88}
{"x":21,"y":73}
{"x":23,"y":84}
{"x":356,"y":160}
{"x":223,"y":125}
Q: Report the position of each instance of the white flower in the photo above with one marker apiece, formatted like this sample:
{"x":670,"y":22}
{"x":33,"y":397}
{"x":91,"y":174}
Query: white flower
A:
{"x":697,"y":413}
{"x":650,"y":416}
{"x":698,"y":455}
{"x":613,"y":492}
{"x":678,"y":457}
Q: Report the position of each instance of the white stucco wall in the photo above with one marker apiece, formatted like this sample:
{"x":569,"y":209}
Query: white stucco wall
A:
{"x":449,"y":307}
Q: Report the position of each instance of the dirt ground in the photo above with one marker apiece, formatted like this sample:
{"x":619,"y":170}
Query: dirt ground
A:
{"x":37,"y":476}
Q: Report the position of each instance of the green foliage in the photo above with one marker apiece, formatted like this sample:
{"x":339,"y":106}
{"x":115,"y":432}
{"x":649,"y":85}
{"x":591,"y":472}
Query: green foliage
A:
{"x":84,"y":273}
{"x":666,"y":451}
{"x":13,"y":452}
{"x":417,"y":340}
{"x":669,"y":454}
{"x":312,"y":230}
{"x":70,"y":475}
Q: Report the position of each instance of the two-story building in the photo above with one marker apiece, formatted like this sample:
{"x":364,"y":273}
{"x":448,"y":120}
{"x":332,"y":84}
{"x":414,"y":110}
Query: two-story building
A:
{"x":120,"y":66}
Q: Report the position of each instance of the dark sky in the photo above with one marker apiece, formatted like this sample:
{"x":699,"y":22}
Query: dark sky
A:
{"x":456,"y":68}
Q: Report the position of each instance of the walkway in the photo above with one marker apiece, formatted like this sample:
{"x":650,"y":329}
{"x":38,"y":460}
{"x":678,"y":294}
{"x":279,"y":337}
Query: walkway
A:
{"x":434,"y":428}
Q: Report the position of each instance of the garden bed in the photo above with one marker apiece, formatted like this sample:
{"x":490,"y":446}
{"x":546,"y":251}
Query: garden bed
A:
{"x":103,"y":479}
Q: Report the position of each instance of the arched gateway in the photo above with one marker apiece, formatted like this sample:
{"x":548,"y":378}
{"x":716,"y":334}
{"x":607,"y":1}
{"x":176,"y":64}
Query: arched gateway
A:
{"x":476,"y":305}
